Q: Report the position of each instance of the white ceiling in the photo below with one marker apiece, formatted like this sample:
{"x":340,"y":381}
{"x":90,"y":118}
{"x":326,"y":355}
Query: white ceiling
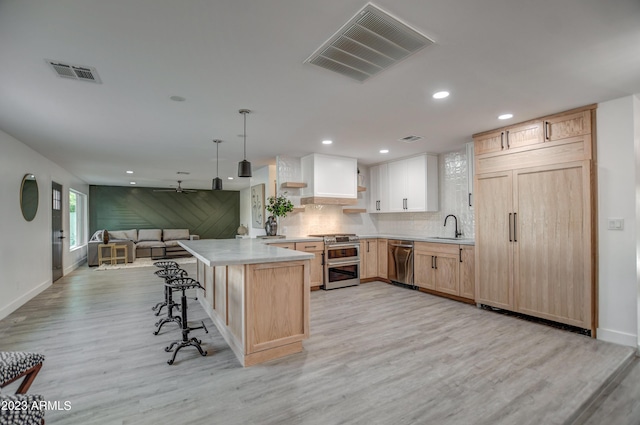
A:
{"x":529,"y":58}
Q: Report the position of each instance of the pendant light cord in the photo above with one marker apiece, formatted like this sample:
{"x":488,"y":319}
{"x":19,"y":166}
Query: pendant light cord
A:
{"x":245,"y":135}
{"x":217,"y":159}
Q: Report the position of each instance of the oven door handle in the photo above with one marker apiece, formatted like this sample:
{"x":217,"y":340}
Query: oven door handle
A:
{"x":343,"y":245}
{"x":401,"y":245}
{"x":342,"y":263}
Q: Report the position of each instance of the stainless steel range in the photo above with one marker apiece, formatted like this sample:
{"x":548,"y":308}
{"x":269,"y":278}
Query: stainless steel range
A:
{"x":341,"y":260}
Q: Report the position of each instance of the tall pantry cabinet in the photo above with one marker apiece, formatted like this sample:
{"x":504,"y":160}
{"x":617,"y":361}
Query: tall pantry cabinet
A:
{"x":535,"y":226}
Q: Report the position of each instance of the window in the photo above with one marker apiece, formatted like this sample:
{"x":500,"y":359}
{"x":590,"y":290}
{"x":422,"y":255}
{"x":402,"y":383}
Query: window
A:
{"x":77,"y":219}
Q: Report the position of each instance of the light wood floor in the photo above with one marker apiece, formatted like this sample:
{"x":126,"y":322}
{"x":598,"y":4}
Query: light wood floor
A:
{"x":378,"y":354}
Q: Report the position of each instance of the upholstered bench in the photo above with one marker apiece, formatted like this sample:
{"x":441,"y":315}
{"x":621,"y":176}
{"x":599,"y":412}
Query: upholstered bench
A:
{"x":19,"y":409}
{"x":15,"y":364}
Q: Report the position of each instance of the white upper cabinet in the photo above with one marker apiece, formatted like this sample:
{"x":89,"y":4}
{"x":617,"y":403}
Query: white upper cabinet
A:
{"x":330,"y":179}
{"x":411,"y":185}
{"x":378,"y":189}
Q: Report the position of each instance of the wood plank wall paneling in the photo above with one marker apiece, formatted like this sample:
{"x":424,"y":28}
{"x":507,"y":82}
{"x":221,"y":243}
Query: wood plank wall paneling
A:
{"x":209,"y":214}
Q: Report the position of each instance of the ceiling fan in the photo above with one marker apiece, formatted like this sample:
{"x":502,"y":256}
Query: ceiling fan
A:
{"x":178,"y":189}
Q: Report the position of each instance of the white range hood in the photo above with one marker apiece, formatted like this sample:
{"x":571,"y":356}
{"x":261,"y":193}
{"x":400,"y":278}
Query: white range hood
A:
{"x":331,"y":180}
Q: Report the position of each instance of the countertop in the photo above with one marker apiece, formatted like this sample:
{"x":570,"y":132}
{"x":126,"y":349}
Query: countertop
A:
{"x":457,"y":241}
{"x":433,"y":239}
{"x":222,"y":252}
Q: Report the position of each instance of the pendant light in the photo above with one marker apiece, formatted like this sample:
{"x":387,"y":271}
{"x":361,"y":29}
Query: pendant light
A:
{"x":217,"y":182}
{"x":244,"y":166}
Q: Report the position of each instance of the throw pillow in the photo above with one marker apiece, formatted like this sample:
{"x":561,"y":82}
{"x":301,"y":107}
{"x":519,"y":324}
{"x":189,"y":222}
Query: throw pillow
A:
{"x":97,"y":236}
{"x":175,"y":234}
{"x":100,"y":236}
{"x":149,"y":235}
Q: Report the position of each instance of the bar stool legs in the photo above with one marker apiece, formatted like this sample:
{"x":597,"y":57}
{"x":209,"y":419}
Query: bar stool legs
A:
{"x":168,"y":275}
{"x":183,"y":284}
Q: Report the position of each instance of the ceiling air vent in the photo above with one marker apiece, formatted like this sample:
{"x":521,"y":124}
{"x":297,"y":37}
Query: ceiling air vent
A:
{"x":370,"y":42}
{"x":75,"y":72}
{"x":410,"y":139}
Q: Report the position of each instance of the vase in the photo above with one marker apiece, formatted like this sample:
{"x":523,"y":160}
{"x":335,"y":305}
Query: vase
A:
{"x":271,"y":226}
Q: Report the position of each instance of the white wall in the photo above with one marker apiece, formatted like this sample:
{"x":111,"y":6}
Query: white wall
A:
{"x":25,"y":255}
{"x":267,"y":176}
{"x":636,"y":131}
{"x":617,"y":262}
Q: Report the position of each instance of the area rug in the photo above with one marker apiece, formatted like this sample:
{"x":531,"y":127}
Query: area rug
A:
{"x":143,"y":262}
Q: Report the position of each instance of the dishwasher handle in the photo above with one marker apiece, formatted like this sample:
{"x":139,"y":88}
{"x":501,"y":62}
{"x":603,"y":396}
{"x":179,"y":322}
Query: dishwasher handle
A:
{"x":401,"y":245}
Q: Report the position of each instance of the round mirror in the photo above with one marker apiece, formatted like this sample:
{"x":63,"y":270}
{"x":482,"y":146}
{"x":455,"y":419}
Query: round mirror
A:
{"x":29,"y":197}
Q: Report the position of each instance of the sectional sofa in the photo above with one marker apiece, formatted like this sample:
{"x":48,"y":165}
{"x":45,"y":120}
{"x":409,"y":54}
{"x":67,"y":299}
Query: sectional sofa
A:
{"x":141,"y":243}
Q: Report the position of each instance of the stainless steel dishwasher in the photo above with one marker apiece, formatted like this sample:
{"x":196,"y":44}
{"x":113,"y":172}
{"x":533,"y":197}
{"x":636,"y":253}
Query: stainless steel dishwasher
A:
{"x":401,"y":261}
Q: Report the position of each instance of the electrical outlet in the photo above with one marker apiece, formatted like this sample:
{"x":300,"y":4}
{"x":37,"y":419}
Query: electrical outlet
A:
{"x":615,"y":223}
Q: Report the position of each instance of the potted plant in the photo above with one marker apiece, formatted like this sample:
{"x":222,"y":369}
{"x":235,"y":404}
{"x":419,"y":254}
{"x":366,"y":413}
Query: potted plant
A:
{"x":278,"y":206}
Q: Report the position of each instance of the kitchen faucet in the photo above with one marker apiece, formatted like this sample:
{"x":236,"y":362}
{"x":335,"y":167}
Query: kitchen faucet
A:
{"x":458,"y":234}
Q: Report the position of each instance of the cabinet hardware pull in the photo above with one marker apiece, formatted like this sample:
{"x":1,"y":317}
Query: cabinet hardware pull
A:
{"x":367,"y":246}
{"x":507,"y":139}
{"x":546,"y":131}
{"x":378,"y":205}
{"x":460,"y":255}
{"x":510,"y":238}
{"x":515,"y":219}
{"x":436,"y":262}
{"x":432,"y":257}
{"x":470,"y":199}
{"x":502,"y":140}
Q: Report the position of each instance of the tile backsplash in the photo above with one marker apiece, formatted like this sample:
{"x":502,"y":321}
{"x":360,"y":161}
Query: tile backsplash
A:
{"x":317,"y":219}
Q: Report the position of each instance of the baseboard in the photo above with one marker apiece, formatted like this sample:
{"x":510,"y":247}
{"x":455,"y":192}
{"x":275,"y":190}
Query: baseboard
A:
{"x":20,"y":301}
{"x":617,"y":337}
{"x":74,"y":266}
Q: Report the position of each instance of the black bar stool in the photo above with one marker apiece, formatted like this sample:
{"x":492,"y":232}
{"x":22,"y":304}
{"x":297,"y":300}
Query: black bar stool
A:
{"x":168,"y":275}
{"x":183,"y":284}
{"x":166,"y":264}
{"x":163,"y":265}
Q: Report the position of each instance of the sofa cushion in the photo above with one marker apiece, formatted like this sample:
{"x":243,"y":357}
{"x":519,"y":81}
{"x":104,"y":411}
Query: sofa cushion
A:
{"x":175,"y":234}
{"x":124,"y":235}
{"x":149,"y":244}
{"x":100,"y":236}
{"x":173,"y":244}
{"x":149,"y":235}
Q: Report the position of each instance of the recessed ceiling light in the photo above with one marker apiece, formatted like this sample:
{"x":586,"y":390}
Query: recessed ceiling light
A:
{"x":229,"y":178}
{"x":132,"y":182}
{"x":177,"y":98}
{"x":505,"y":116}
{"x":441,"y":95}
{"x":129,"y":172}
{"x":384,"y":150}
{"x":327,"y":142}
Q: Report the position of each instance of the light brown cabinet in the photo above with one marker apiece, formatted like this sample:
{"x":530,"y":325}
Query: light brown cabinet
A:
{"x":567,"y":125}
{"x":467,"y":272}
{"x":368,"y":258}
{"x":383,"y":258}
{"x":440,"y":267}
{"x":509,"y":138}
{"x":316,"y":269}
{"x":534,"y":226}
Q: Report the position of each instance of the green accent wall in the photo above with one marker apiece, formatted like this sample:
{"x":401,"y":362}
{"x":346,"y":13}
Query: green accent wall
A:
{"x":209,"y":214}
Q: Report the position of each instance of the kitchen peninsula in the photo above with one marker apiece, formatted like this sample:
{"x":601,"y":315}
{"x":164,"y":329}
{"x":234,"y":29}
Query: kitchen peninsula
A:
{"x":257,"y":295}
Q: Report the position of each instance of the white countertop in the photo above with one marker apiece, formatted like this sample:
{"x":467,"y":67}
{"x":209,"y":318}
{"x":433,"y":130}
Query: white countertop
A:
{"x":222,"y":252}
{"x":433,"y":239}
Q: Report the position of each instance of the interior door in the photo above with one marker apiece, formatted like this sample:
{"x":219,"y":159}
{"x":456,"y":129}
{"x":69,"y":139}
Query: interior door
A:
{"x":57,"y":234}
{"x":553,"y":243}
{"x":494,"y":239}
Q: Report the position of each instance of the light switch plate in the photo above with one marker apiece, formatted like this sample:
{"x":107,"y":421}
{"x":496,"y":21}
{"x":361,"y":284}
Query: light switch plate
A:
{"x":615,"y":223}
